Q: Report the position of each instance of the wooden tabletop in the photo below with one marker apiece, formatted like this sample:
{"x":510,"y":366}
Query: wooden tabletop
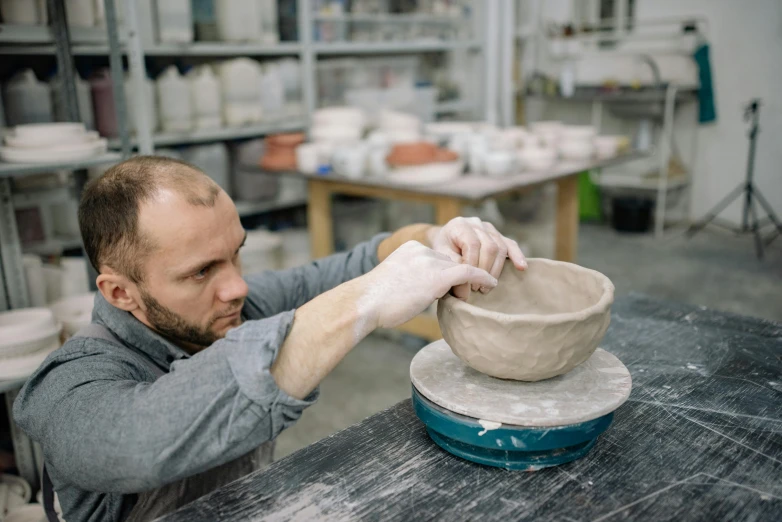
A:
{"x":473,"y":187}
{"x":699,"y":439}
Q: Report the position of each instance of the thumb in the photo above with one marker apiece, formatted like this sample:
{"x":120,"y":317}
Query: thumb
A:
{"x":462,"y":274}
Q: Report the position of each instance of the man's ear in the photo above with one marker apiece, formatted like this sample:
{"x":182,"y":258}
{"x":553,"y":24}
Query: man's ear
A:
{"x":118,"y":290}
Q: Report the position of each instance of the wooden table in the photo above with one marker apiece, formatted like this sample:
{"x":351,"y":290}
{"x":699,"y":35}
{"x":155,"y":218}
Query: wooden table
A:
{"x":448,"y":200}
{"x":699,"y":439}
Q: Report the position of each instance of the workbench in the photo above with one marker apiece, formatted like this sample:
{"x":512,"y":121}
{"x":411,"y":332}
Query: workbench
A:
{"x":448,"y":200}
{"x":699,"y":439}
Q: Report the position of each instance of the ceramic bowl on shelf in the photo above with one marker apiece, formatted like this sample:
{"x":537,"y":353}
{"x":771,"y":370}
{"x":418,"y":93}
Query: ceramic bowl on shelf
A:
{"x":337,"y":134}
{"x":27,"y":337}
{"x":32,"y":141}
{"x":340,"y":116}
{"x":398,"y":121}
{"x":576,"y":149}
{"x":498,"y":163}
{"x":48,"y":131}
{"x":537,"y":159}
{"x":537,"y":324}
{"x":53,"y":154}
{"x":350,"y":161}
{"x":578,"y":132}
{"x":607,"y":146}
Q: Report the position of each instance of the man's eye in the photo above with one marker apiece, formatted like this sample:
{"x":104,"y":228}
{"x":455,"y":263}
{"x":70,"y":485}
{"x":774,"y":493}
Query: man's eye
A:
{"x":201,"y":274}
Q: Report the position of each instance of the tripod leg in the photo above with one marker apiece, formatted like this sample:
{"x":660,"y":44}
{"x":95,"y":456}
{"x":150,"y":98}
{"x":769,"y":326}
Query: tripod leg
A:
{"x":727,"y":200}
{"x":756,"y":231}
{"x":768,"y":210}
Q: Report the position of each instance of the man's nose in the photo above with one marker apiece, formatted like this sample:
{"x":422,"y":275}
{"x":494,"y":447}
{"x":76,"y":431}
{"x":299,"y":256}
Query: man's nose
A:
{"x":233,"y":286}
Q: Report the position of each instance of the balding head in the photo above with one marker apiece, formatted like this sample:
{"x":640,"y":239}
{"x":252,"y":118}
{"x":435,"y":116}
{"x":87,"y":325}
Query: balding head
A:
{"x":110,"y":207}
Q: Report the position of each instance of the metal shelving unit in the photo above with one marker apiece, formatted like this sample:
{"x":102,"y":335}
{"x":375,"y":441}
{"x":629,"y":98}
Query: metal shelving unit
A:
{"x":17,"y":170}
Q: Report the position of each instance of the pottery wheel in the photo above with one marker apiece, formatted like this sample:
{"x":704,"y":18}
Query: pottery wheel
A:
{"x":513,"y":424}
{"x":596,"y":387}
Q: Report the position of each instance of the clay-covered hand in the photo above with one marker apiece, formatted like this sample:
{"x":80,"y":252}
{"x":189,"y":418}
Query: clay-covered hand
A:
{"x":411,"y":279}
{"x":476,"y":243}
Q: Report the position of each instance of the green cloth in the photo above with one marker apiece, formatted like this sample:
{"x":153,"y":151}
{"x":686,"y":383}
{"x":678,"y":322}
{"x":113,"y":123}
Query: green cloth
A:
{"x":588,"y":198}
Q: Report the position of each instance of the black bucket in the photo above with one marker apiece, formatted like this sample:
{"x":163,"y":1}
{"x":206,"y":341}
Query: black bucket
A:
{"x":632,"y":214}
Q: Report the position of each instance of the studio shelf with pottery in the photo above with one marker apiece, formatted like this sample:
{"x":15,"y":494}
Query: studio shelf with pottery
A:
{"x":13,"y":170}
{"x":356,"y":48}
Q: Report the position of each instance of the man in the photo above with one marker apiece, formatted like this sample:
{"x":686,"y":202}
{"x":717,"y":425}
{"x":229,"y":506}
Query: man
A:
{"x":189,"y":370}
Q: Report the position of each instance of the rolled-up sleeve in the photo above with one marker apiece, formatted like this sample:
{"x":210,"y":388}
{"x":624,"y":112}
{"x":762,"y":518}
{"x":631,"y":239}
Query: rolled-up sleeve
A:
{"x":273,"y":292}
{"x":103,"y":430}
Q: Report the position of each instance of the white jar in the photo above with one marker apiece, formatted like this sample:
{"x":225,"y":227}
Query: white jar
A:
{"x":238,"y":20}
{"x":175,"y":21}
{"x":174,"y":101}
{"x":205,"y":98}
{"x":134,"y":104}
{"x":27,"y":100}
{"x":82,"y":94}
{"x":270,"y":32}
{"x":239,"y":79}
{"x":272,"y":92}
{"x":213,"y":160}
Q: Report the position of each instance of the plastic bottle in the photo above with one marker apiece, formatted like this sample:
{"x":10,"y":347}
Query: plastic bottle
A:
{"x":83,"y":96}
{"x":103,"y":103}
{"x":27,"y":100}
{"x":205,"y":98}
{"x":213,"y":160}
{"x":80,"y":13}
{"x":240,"y":80}
{"x":176,"y":114}
{"x":270,"y":32}
{"x":175,"y":21}
{"x":238,"y":20}
{"x":272,"y":92}
{"x":134,"y":104}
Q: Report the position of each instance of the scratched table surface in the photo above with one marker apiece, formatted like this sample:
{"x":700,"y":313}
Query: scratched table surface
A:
{"x":699,"y":439}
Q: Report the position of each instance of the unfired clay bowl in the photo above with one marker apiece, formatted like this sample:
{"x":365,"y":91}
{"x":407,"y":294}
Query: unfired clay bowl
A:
{"x":534,"y":325}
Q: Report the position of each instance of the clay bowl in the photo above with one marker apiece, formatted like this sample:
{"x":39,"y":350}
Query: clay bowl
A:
{"x":535,"y":325}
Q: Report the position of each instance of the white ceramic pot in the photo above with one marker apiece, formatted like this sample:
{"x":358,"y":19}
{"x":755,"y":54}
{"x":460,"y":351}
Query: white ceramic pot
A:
{"x":307,"y":160}
{"x":460,"y":144}
{"x":378,"y":139}
{"x":477,"y":156}
{"x":335,"y":133}
{"x":350,"y":161}
{"x":403,"y":136}
{"x":398,"y":121}
{"x":378,"y":167}
{"x":606,"y":146}
{"x":576,"y":149}
{"x":578,"y":132}
{"x":74,"y":312}
{"x":537,"y":158}
{"x":498,"y":163}
{"x":340,"y":116}
{"x":430,"y":174}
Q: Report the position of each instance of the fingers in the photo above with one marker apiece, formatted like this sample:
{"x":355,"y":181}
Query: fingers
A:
{"x":502,"y":249}
{"x":488,"y":252}
{"x":462,"y":274}
{"x":515,"y":254}
{"x":461,"y":291}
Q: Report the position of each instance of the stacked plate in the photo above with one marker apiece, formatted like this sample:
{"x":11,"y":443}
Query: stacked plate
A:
{"x":27,"y":337}
{"x":51,"y":142}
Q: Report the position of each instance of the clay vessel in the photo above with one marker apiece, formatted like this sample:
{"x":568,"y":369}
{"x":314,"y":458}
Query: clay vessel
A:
{"x":535,"y":325}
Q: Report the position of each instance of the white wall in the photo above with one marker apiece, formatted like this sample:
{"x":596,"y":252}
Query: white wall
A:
{"x":746,"y":60}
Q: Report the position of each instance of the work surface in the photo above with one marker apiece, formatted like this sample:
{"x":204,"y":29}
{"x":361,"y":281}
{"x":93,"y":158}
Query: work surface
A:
{"x":699,"y":439}
{"x":477,"y":187}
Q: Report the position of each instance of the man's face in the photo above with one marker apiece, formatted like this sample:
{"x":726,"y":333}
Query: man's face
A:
{"x":192,"y":291}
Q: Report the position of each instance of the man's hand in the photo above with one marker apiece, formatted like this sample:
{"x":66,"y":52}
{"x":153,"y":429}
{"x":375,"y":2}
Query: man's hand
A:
{"x":476,"y":243}
{"x":411,"y":279}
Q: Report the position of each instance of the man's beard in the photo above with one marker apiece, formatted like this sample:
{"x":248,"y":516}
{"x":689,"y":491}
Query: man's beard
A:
{"x":177,"y":328}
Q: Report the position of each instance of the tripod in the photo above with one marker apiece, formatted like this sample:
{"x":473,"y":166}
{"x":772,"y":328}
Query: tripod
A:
{"x":752,"y":196}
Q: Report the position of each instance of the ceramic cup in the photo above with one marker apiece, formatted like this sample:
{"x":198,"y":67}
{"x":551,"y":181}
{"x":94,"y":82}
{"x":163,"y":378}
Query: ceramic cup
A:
{"x":498,"y":163}
{"x":350,"y":161}
{"x":307,"y":160}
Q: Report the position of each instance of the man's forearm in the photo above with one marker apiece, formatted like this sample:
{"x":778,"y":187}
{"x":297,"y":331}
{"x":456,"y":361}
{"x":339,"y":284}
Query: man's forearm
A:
{"x":324,"y":330}
{"x":419,"y":232}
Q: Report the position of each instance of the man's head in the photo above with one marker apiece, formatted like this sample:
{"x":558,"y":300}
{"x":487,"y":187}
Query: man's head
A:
{"x":165,"y":240}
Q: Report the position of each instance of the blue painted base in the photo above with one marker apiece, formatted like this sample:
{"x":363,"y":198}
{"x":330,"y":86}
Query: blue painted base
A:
{"x":509,"y":447}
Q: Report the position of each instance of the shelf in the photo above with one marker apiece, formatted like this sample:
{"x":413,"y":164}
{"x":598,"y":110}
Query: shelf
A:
{"x":249,"y":208}
{"x":223,"y":49}
{"x":27,"y":34}
{"x":644,"y":95}
{"x":454,"y":106}
{"x":389,"y":18}
{"x":222,"y":134}
{"x":347,"y":48}
{"x":54,"y":246}
{"x":14,"y":170}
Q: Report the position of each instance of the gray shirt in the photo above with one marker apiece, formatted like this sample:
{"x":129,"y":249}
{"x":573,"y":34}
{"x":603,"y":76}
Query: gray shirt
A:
{"x":115,"y":421}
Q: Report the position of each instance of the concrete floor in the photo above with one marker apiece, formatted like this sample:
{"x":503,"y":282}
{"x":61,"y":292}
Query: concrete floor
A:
{"x":713,"y":269}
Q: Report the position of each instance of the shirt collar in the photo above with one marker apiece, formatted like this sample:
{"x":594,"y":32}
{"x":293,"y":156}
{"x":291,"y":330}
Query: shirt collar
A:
{"x":136,"y":334}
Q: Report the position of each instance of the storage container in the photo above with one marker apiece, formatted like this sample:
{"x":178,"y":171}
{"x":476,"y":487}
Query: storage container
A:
{"x":84,"y":98}
{"x":205,"y":98}
{"x":213,"y":160}
{"x":27,"y":100}
{"x":270,"y":33}
{"x":174,"y":101}
{"x":272,"y":93}
{"x":175,"y":21}
{"x":240,"y":79}
{"x":105,"y":113}
{"x":80,"y":13}
{"x":248,"y":183}
{"x":23,"y":12}
{"x":238,"y":20}
{"x":134,"y":104}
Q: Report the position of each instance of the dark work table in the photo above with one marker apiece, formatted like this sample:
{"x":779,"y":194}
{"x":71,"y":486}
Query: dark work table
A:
{"x":699,"y":439}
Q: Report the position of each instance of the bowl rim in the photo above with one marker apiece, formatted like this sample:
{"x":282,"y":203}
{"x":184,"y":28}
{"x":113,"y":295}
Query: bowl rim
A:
{"x":601,"y":306}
